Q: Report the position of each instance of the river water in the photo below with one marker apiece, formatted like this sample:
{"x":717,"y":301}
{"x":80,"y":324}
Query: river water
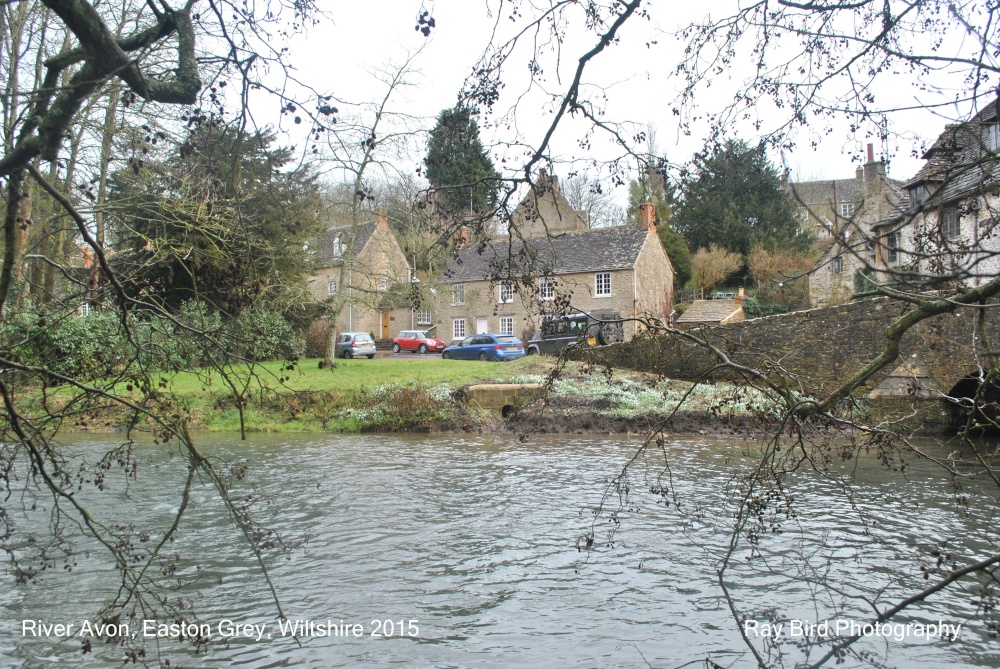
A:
{"x":468,"y":547}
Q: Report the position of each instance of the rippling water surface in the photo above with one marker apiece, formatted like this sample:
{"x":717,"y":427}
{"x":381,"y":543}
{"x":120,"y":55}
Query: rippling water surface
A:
{"x":475,"y":541}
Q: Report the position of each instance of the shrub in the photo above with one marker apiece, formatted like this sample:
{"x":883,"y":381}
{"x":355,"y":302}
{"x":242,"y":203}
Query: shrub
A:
{"x":263,"y":334}
{"x":753,"y":308}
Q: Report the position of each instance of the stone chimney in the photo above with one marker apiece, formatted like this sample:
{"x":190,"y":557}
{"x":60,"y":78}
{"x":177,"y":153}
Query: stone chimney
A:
{"x":874,"y":172}
{"x":462,"y":237}
{"x":647,"y":216}
{"x":380,"y":217}
{"x":739,"y":297}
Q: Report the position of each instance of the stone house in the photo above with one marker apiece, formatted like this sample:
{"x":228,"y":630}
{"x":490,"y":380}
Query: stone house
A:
{"x":367,"y":262}
{"x":853,"y":230}
{"x":825,"y":206}
{"x":508,"y":286}
{"x":949,"y":228}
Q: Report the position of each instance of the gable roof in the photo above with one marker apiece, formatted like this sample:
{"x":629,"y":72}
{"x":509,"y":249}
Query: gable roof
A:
{"x":329,"y":241}
{"x":959,"y":161}
{"x":594,"y":250}
{"x":710,"y":311}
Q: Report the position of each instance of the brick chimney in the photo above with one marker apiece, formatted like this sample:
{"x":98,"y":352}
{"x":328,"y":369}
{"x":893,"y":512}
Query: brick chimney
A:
{"x":462,"y":237}
{"x":380,"y":217}
{"x":647,"y":216}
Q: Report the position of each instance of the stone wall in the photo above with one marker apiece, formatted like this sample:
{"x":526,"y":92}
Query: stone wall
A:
{"x":814,"y":350}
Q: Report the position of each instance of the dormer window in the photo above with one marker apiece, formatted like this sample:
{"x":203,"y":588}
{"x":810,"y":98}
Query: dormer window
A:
{"x":338,"y":248}
{"x":918,"y":195}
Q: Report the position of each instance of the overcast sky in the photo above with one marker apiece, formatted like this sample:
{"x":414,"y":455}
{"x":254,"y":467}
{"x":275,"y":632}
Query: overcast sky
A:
{"x":637,"y":78}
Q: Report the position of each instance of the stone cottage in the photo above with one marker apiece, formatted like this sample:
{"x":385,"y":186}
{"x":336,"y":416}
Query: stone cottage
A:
{"x":366,"y":263}
{"x":949,"y":228}
{"x":510,"y":285}
{"x":852,"y":226}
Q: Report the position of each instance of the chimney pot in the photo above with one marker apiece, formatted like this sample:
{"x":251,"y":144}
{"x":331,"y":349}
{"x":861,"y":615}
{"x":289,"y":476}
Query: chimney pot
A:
{"x":871,"y":153}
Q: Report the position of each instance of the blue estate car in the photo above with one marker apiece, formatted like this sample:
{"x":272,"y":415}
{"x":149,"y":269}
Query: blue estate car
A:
{"x":496,"y":347}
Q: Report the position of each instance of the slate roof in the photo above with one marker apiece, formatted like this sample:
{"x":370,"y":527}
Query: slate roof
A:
{"x":958,"y":159}
{"x":589,"y":251}
{"x":822,"y":192}
{"x":364,"y":233}
{"x":709,"y":311}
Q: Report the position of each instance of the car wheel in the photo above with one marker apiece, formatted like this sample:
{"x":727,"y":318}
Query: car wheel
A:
{"x":348,"y":355}
{"x":531,"y":351}
{"x":395,"y":348}
{"x":423,"y":348}
{"x":446,"y":355}
{"x":484,"y":356}
{"x":371,"y":357}
{"x":608,"y":334}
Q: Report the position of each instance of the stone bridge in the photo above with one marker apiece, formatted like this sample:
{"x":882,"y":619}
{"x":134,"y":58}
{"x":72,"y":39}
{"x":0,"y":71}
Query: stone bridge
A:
{"x":818,"y":349}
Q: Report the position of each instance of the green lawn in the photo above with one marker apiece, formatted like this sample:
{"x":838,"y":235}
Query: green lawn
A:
{"x":389,"y":393}
{"x":351,"y":376}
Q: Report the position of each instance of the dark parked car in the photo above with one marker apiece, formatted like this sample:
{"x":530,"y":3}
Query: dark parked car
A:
{"x":417,"y":340}
{"x":597,"y":329}
{"x":496,"y":347}
{"x":355,"y":344}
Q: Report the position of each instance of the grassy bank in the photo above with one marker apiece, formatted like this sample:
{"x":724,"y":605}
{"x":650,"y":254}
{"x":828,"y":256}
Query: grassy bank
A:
{"x":420,"y":394}
{"x":380,"y":394}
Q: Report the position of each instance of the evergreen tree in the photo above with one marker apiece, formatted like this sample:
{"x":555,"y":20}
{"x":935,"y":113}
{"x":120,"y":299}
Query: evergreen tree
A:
{"x":458,"y":166}
{"x":219,"y":220}
{"x":733,"y":198}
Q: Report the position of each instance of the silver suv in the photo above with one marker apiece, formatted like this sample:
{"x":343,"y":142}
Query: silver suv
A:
{"x":355,"y":344}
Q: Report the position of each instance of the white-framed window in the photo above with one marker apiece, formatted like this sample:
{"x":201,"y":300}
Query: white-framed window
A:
{"x":383,"y":283}
{"x":458,"y":293}
{"x":846,"y":209}
{"x":507,"y":325}
{"x":458,"y":328}
{"x":331,"y":287}
{"x":424,"y":317}
{"x":338,"y":247}
{"x":602,"y":284}
{"x":85,"y":309}
{"x":951,"y":223}
{"x":546,"y":289}
{"x":505,"y":292}
{"x":837,"y":266}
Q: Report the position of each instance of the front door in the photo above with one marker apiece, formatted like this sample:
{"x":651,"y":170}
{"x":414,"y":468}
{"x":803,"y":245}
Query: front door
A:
{"x":482,"y":325}
{"x":385,"y":325}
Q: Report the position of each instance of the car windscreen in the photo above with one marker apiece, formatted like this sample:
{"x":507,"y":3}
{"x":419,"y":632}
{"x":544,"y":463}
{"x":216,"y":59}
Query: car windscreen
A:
{"x":362,"y":337}
{"x":508,"y":340}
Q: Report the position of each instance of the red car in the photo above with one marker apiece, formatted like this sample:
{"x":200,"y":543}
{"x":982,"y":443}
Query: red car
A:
{"x":417,"y":340}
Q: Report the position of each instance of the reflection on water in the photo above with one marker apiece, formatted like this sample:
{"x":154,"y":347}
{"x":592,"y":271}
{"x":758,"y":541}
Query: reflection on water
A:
{"x":471,"y":543}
